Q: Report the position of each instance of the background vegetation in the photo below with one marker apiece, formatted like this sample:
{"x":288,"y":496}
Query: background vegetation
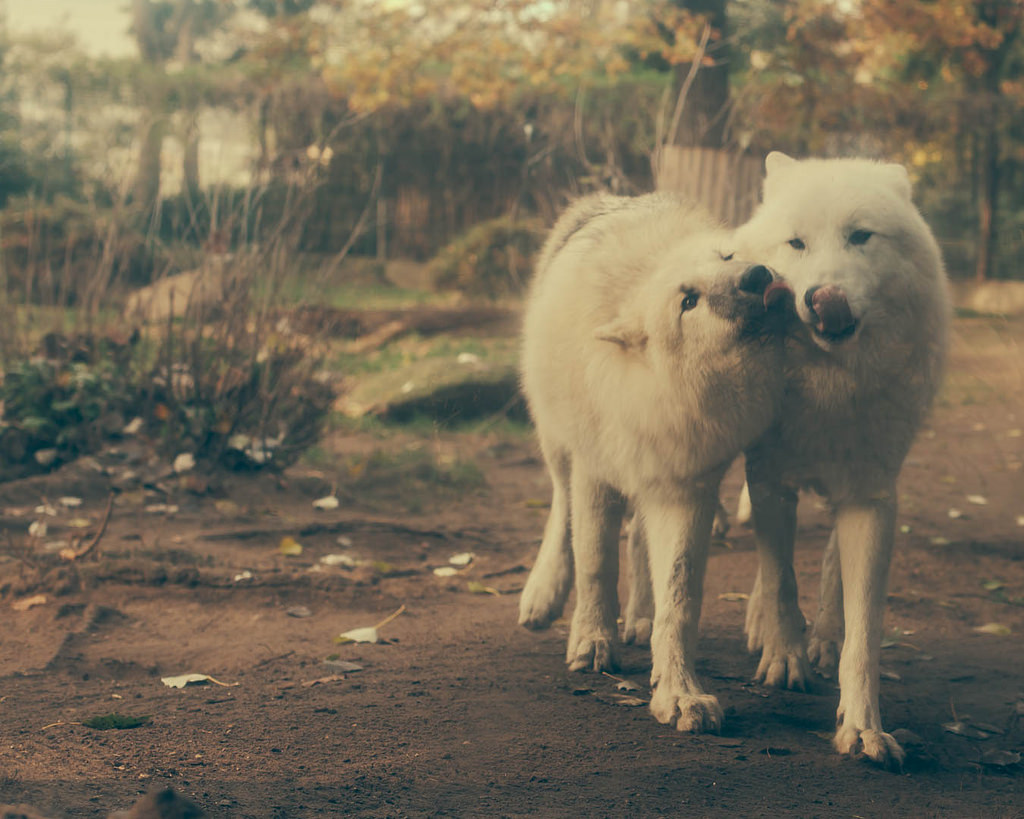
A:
{"x":448,"y":132}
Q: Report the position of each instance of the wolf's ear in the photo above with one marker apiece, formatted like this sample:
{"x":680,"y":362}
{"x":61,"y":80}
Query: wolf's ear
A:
{"x":899,"y":178}
{"x":629,"y":335}
{"x":776,"y":161}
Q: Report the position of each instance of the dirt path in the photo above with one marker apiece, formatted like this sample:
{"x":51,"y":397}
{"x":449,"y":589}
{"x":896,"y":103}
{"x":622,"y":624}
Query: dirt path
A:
{"x":460,"y":712}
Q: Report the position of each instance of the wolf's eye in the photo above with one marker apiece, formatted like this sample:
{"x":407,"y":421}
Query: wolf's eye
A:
{"x":860,"y":237}
{"x":689,"y":302}
{"x":725,"y":257}
{"x":797,"y":244}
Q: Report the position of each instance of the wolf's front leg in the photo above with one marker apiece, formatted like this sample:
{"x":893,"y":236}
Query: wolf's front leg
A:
{"x":639,"y":616}
{"x":865,"y":532}
{"x":774,"y":620}
{"x":597,"y":511}
{"x":678,"y":539}
{"x":550,"y":580}
{"x":827,"y":632}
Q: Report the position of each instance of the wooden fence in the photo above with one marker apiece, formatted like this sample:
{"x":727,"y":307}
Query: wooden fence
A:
{"x":726,"y":183}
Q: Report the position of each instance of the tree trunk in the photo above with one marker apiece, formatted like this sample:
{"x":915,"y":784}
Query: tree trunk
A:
{"x":988,"y":195}
{"x":703,"y":119}
{"x":146,"y":187}
{"x":190,"y":160}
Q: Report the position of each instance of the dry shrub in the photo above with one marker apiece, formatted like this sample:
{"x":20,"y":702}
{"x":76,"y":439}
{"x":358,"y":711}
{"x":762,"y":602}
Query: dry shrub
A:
{"x":492,"y":259}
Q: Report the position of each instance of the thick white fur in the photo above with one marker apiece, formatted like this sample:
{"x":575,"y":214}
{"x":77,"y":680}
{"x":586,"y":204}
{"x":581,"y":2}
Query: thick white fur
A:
{"x":635,"y":399}
{"x":850,"y":412}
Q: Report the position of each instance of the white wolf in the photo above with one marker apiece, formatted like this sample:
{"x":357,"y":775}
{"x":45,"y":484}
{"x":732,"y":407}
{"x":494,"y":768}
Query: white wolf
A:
{"x":872,"y":292}
{"x":649,"y":361}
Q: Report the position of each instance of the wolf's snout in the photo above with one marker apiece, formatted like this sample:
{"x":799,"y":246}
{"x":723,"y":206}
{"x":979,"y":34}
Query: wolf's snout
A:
{"x":759,"y":280}
{"x":833,"y":316}
{"x":755,"y":279}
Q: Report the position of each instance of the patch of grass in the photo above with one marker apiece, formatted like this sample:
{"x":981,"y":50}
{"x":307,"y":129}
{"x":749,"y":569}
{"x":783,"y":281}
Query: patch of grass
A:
{"x":381,"y":296}
{"x":412,"y":478}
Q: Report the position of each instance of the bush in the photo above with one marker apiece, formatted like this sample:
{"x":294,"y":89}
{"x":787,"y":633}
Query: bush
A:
{"x":66,"y":400}
{"x":492,"y":259}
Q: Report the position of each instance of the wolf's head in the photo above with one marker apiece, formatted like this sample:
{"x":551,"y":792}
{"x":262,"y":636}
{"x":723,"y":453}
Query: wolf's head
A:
{"x":847,"y":237}
{"x":700,"y":302}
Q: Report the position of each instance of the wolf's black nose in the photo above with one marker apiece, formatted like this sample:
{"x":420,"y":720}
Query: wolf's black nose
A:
{"x":755,"y":279}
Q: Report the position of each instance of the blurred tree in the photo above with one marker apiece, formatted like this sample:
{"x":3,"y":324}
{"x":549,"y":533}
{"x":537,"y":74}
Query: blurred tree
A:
{"x":165,"y":33}
{"x":14,"y":178}
{"x":967,"y":56}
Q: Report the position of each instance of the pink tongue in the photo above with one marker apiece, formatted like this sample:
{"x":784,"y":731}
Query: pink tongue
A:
{"x":832,"y":309}
{"x":776,"y":293}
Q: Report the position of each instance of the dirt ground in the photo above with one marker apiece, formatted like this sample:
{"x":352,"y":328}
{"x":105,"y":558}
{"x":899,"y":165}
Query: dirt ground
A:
{"x":459,"y":712}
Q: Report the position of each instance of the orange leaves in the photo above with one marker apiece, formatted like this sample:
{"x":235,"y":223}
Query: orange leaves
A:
{"x":486,"y":51}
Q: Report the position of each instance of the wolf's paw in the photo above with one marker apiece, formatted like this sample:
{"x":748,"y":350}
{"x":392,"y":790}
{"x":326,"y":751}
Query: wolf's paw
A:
{"x":696,"y":713}
{"x":637,"y":630}
{"x":785,"y":669}
{"x":595,"y":652}
{"x":541,"y":603}
{"x":824,"y":654}
{"x":877,"y":746}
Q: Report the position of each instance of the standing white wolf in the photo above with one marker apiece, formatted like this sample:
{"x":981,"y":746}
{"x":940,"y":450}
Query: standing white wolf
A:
{"x":872,"y":292}
{"x":649,"y":361}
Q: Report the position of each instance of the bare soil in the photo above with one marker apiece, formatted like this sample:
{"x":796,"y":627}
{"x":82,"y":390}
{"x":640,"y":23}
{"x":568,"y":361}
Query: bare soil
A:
{"x":459,"y":712}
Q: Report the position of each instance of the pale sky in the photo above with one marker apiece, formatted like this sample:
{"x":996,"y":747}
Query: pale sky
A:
{"x":101,"y":26}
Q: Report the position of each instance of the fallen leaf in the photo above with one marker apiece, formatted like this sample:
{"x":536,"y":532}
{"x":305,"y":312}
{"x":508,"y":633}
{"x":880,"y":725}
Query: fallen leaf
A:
{"x":1014,"y":433}
{"x":992,"y":585}
{"x":997,"y":629}
{"x":79,"y":523}
{"x":977,"y":500}
{"x":115,"y":721}
{"x":347,"y":561}
{"x":184,"y":462}
{"x":964,"y":729}
{"x":226,"y":507}
{"x":70,"y":501}
{"x":1000,"y":759}
{"x":905,"y":529}
{"x":326,"y":503}
{"x":734,"y":597}
{"x":161,"y":509}
{"x":476,"y":587}
{"x":446,"y":571}
{"x":28,"y":602}
{"x":289,"y":546}
{"x":370,"y":634}
{"x":322,"y":680}
{"x":890,"y":675}
{"x":182,"y":680}
{"x":1020,"y":520}
{"x":37,"y":528}
{"x":462,"y":559}
{"x":622,"y":684}
{"x":630,"y":702}
{"x":939,"y":541}
{"x":955,"y":514}
{"x":299,"y":611}
{"x":359,"y":635}
{"x":244,"y":575}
